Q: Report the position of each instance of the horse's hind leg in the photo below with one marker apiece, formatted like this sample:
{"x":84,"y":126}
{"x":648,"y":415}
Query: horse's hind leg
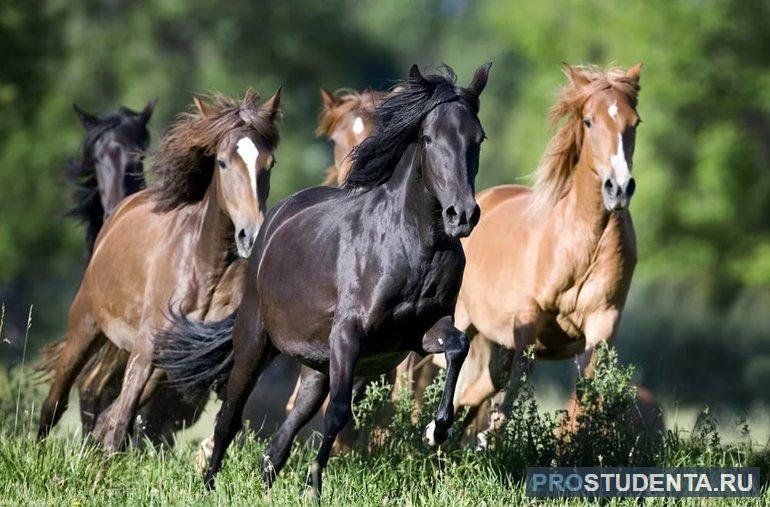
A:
{"x":78,"y":344}
{"x":252,"y":354}
{"x":311,"y":394}
{"x":345,"y":344}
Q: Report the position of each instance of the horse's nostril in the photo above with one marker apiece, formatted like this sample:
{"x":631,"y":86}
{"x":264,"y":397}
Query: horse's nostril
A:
{"x":242,"y":234}
{"x":451,"y":214}
{"x":630,"y":187}
{"x":608,"y":185}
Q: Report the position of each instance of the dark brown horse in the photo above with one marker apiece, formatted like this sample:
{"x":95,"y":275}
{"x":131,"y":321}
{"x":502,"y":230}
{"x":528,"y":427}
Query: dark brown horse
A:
{"x":175,"y":242}
{"x":348,"y":281}
{"x":111,"y":166}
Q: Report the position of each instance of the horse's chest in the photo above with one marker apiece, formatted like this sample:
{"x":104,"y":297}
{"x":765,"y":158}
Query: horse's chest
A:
{"x":430,"y":287}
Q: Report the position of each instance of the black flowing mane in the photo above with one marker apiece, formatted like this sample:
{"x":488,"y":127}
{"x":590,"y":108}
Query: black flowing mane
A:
{"x":397,"y":121}
{"x":81,"y":174}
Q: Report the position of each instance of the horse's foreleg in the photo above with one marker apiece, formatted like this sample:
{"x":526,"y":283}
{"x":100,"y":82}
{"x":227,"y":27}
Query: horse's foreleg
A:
{"x":252,"y":352}
{"x":308,"y":399}
{"x":518,"y":365}
{"x":138,"y":372}
{"x":345,"y":346}
{"x":445,"y":337}
{"x":600,"y":327}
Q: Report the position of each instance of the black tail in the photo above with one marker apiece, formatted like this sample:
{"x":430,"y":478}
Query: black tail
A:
{"x":197,"y":356}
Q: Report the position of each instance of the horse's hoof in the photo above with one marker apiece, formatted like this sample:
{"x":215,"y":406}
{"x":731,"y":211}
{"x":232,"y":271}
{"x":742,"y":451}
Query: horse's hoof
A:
{"x":208,"y":483}
{"x":482,"y":442}
{"x":312,"y":487}
{"x":434,"y":436}
{"x":203,"y":455}
{"x":268,"y":472}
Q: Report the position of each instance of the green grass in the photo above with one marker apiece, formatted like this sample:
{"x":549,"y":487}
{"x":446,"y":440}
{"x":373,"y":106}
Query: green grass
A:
{"x":392,"y":470}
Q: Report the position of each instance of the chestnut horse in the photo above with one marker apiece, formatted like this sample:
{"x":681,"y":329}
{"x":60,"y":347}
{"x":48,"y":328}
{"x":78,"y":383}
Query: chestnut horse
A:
{"x":346,"y":119}
{"x":175,"y":241}
{"x":348,"y":281}
{"x":549,"y":267}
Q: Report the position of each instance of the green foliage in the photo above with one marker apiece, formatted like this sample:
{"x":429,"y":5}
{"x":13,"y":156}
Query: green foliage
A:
{"x":390,"y":467}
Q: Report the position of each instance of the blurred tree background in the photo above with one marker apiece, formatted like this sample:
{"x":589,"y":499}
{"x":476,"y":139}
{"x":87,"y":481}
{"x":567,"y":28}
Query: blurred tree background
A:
{"x":698,"y":317}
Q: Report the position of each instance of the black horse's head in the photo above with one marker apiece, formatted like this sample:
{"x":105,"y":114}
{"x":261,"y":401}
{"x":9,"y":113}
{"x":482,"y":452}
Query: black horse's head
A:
{"x":451,"y":137}
{"x":111,"y":167}
{"x":442,"y":120}
{"x":113,"y":154}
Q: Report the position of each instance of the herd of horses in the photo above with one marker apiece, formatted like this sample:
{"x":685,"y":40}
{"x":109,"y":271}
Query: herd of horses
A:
{"x":396,"y":257}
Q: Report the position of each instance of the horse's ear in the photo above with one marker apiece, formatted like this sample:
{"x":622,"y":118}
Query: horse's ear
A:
{"x":328,"y":98}
{"x":415,"y":76}
{"x":272,"y":106}
{"x":635,"y":72}
{"x":146,"y":113}
{"x":88,"y":120}
{"x":575,"y":76}
{"x":204,"y":107}
{"x":479,"y":81}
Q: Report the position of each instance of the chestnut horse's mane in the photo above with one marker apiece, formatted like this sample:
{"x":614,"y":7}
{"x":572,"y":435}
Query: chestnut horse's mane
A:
{"x":554,"y":173}
{"x":184,"y":164}
{"x":347,"y":101}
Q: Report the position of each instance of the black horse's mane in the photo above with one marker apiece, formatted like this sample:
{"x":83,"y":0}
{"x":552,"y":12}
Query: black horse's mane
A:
{"x":81,"y":174}
{"x":397,"y":121}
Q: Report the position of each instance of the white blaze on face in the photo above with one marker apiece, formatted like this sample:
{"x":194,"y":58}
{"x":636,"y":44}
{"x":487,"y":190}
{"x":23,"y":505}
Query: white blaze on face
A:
{"x":249,"y":153}
{"x":613,"y":109}
{"x":619,"y":164}
{"x":358,"y":126}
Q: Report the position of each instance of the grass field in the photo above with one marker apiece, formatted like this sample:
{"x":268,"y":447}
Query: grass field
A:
{"x":392,"y":467}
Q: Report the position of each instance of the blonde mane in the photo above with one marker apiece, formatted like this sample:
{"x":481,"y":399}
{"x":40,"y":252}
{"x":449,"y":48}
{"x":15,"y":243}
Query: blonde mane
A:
{"x":553,"y":175}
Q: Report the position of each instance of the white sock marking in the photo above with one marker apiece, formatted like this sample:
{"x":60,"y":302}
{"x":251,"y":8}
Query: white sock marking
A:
{"x":249,"y":153}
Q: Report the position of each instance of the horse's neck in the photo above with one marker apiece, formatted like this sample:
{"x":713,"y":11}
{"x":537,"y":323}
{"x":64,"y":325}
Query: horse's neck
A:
{"x":214,"y":231}
{"x":581,"y":219}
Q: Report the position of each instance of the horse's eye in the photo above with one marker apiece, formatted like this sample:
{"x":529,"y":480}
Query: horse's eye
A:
{"x":587,"y":122}
{"x":222,"y":164}
{"x":426,"y":139}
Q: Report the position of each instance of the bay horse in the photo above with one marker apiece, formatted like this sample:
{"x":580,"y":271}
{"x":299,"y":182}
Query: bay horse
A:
{"x":549,"y":267}
{"x":175,"y":242}
{"x":348,"y":281}
{"x":111,"y":167}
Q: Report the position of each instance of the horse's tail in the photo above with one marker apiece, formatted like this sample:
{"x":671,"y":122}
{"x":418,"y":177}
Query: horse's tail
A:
{"x":197,"y":356}
{"x":43,"y":371}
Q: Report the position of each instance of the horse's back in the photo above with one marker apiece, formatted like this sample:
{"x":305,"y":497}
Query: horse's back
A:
{"x":295,"y":203}
{"x":490,"y":197}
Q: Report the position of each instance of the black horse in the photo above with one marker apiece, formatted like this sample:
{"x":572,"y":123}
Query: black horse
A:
{"x":348,"y":281}
{"x":111,"y":167}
